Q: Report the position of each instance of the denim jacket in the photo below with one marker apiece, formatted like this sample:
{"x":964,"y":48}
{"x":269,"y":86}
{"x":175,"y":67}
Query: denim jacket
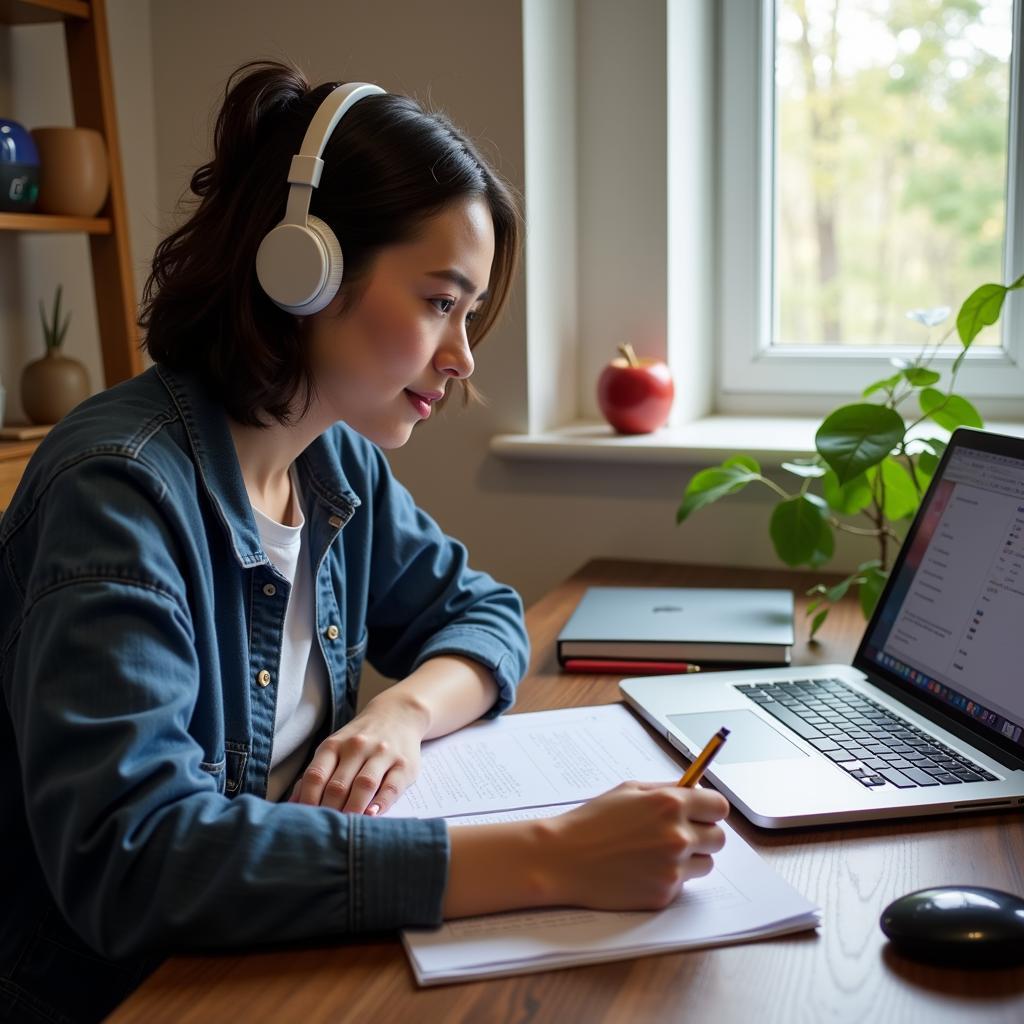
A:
{"x":140,"y":638}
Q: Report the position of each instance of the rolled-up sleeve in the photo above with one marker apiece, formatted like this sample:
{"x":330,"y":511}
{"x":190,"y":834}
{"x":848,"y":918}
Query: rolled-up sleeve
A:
{"x":399,"y":871}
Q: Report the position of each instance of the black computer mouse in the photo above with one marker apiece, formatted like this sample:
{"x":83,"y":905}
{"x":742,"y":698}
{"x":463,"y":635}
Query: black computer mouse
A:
{"x":957,"y":924}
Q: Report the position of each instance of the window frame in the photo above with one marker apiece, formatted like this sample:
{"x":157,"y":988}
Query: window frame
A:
{"x":750,"y":375}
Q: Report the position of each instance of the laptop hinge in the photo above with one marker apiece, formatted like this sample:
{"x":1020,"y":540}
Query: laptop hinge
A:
{"x":1006,"y":759}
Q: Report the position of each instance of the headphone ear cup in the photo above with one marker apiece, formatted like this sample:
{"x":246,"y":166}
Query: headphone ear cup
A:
{"x":299,"y":266}
{"x":335,"y":265}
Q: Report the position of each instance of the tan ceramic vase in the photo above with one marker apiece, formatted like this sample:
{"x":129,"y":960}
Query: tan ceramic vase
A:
{"x":52,"y":386}
{"x":74,"y":176}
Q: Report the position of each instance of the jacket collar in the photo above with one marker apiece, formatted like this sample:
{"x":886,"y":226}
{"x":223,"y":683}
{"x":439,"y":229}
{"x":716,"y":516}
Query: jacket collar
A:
{"x":206,"y":425}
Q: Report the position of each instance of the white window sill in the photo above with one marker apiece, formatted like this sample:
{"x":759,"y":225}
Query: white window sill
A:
{"x":769,"y":439}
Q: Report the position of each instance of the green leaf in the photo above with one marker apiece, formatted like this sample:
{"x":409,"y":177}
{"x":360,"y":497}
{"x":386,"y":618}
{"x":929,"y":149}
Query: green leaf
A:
{"x":796,"y":531}
{"x":716,"y":482}
{"x":887,"y":383}
{"x":900,"y":494}
{"x":925,"y":465}
{"x":847,"y":499}
{"x":804,"y":469}
{"x":949,"y":411}
{"x":855,"y":437}
{"x":980,"y":309}
{"x":927,"y":460}
{"x":743,"y":461}
{"x":921,"y":377}
{"x":871,"y":588}
{"x":838,"y":592}
{"x":825,"y":545}
{"x":817,"y":622}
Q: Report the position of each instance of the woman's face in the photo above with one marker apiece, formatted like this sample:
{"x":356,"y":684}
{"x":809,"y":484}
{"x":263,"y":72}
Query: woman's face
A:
{"x":381,"y":365}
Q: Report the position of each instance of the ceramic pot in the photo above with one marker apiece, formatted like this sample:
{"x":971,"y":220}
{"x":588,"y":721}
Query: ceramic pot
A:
{"x":74,"y":175}
{"x":52,"y":386}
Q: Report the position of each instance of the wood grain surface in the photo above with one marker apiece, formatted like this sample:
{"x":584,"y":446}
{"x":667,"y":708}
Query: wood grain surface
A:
{"x":844,"y":972}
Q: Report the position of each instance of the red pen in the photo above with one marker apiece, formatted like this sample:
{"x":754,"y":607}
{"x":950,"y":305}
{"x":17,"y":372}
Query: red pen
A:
{"x":618,"y":667}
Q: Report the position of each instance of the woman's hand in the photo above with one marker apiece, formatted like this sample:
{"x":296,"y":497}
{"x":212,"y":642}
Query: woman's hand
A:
{"x":631,"y":848}
{"x":368,"y":763}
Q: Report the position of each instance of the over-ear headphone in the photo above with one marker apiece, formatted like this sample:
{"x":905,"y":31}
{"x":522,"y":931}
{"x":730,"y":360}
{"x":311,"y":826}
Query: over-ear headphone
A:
{"x":299,"y":262}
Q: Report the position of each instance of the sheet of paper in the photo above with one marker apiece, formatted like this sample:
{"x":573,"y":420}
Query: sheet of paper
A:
{"x":742,"y":898}
{"x":548,"y":762}
{"x":536,"y":759}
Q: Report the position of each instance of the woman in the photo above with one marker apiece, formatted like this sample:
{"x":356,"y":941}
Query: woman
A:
{"x":198,"y":560}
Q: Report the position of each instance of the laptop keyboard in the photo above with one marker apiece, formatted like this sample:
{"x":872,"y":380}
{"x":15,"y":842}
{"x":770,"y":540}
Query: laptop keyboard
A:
{"x":867,"y":740}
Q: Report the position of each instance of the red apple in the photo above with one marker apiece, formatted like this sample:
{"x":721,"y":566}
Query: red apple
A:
{"x":635,"y":394}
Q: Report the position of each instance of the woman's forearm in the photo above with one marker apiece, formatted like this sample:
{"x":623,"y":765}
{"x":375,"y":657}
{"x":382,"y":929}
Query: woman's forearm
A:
{"x":446,"y":693}
{"x":509,"y":866}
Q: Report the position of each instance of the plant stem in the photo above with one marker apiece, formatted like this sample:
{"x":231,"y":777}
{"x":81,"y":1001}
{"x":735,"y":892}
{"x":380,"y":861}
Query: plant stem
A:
{"x":776,"y":488}
{"x":913,"y":472}
{"x":879,"y":520}
{"x":861,"y":531}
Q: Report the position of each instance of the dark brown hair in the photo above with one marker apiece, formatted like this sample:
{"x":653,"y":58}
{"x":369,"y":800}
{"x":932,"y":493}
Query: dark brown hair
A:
{"x":388,"y":167}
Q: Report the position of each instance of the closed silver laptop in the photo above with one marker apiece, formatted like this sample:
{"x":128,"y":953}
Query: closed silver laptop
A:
{"x":929,"y":718}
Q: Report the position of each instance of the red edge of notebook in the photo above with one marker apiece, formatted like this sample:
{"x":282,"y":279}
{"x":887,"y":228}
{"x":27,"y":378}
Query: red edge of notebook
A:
{"x":619,"y":667}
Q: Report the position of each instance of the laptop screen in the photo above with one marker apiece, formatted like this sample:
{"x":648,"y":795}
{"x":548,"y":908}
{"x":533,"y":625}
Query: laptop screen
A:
{"x":949,"y":625}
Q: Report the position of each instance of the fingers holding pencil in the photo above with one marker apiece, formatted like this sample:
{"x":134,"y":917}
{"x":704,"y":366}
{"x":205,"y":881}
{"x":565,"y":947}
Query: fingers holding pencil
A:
{"x":693,"y":774}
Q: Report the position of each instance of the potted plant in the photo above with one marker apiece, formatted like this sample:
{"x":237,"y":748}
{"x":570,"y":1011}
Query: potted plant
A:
{"x":871,"y":466}
{"x":55,"y":384}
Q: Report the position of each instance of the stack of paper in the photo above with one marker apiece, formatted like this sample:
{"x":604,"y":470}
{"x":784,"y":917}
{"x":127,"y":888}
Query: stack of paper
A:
{"x":545,"y":763}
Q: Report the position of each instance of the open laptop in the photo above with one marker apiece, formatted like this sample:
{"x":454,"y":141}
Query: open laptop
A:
{"x":930,"y":716}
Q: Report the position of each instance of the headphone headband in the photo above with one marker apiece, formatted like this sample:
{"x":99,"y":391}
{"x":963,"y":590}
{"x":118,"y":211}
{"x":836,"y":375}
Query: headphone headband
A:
{"x":306,"y":166}
{"x":299,"y":263}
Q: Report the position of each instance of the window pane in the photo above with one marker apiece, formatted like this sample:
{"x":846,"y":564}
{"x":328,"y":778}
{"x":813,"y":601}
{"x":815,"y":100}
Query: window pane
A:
{"x":891,"y":128}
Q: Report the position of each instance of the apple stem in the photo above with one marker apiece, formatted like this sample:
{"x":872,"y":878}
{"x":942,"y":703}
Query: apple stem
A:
{"x":629,"y":355}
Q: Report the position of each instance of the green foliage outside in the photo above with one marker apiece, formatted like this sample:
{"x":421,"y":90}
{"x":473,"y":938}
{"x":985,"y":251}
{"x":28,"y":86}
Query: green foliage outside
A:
{"x":891,"y":151}
{"x":869,"y":472}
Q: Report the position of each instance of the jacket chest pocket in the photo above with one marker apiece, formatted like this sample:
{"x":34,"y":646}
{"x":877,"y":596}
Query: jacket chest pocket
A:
{"x":354,"y":657}
{"x":229,"y":772}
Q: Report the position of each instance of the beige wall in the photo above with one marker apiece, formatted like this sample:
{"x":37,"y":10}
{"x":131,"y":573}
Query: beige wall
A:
{"x":528,"y":523}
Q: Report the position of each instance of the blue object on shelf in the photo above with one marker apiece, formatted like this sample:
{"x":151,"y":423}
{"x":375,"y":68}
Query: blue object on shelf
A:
{"x":19,"y":168}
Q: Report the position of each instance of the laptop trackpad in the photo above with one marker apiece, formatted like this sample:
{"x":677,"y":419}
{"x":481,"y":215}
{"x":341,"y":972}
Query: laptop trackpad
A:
{"x":750,"y":738}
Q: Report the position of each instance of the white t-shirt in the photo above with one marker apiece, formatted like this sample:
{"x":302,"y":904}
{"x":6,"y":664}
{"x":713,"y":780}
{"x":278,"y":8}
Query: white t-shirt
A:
{"x":302,"y":678}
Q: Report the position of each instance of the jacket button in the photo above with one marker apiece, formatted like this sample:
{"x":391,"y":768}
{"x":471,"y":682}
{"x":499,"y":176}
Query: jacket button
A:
{"x":269,"y":589}
{"x":333,"y":632}
{"x":263,"y":678}
{"x":335,"y":521}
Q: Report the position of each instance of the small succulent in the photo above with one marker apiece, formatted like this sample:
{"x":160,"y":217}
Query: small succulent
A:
{"x":53,"y":330}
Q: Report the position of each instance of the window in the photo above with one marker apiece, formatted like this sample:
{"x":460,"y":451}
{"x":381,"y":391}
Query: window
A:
{"x":869,"y":164}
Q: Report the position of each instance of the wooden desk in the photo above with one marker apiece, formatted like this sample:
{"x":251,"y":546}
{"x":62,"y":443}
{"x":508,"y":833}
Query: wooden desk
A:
{"x":14,"y":456}
{"x":844,"y":973}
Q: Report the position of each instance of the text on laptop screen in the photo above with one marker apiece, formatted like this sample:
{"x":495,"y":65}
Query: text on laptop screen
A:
{"x":953,"y":620}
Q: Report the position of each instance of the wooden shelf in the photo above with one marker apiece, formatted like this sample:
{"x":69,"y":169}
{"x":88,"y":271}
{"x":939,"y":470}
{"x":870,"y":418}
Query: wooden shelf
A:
{"x":87,"y":46}
{"x":31,"y":12}
{"x":54,"y":222}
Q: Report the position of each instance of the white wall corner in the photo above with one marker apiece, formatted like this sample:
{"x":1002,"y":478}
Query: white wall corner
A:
{"x":550,"y":114}
{"x":690,"y":130}
{"x":623,"y":199}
